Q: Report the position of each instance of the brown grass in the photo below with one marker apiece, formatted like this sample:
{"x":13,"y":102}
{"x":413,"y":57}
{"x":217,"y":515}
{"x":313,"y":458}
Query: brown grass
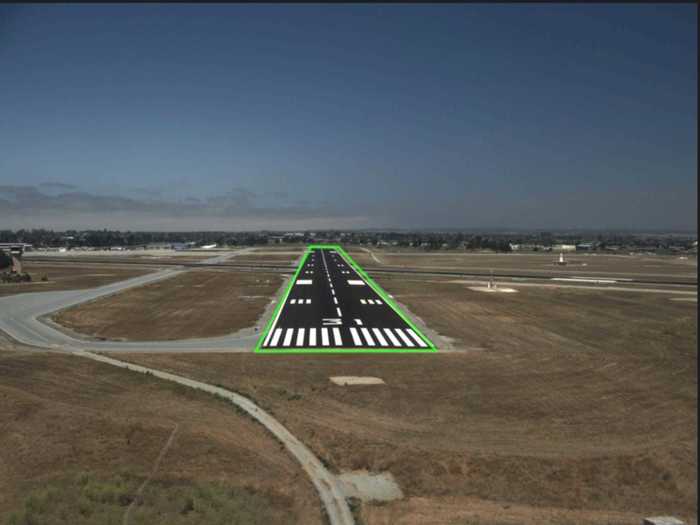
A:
{"x":190,"y":305}
{"x":266,"y":258}
{"x":65,"y":417}
{"x":578,"y":263}
{"x":70,"y":276}
{"x":577,"y":405}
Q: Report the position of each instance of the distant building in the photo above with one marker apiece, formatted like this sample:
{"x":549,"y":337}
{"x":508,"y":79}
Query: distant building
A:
{"x":15,"y":248}
{"x":564,"y":247}
{"x":526,"y":247}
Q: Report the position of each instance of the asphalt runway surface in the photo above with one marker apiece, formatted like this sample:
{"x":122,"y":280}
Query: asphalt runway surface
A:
{"x":330,"y":305}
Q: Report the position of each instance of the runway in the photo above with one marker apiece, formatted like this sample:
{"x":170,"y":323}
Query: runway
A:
{"x":332,"y":305}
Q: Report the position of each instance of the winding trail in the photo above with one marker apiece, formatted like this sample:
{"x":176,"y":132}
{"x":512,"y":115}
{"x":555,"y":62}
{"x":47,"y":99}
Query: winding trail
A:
{"x":327,"y":484}
{"x":373,"y":255}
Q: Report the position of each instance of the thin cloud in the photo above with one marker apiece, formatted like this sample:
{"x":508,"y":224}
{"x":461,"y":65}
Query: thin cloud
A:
{"x":237,"y":209}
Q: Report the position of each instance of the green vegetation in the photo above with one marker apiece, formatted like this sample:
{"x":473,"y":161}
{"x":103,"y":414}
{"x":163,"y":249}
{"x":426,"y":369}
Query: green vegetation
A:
{"x":85,"y":499}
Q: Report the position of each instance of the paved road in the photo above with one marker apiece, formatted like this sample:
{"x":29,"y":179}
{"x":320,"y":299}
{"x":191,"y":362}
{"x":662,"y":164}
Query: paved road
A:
{"x":331,"y":305}
{"x":20,"y":318}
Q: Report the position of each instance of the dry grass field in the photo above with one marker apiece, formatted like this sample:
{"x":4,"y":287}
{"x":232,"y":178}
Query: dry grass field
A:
{"x":70,"y":276}
{"x":556,"y":406}
{"x":268,"y":258}
{"x":77,"y":439}
{"x":578,"y":263}
{"x":201,"y":303}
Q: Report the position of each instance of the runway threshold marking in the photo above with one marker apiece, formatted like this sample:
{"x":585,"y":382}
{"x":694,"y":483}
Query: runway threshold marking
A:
{"x":322,"y":328}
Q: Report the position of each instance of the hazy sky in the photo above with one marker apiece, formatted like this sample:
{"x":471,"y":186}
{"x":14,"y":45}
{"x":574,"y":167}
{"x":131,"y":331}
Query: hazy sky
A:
{"x":310,"y":116}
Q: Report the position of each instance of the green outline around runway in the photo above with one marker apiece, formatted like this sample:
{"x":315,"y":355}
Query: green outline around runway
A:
{"x":323,"y":350}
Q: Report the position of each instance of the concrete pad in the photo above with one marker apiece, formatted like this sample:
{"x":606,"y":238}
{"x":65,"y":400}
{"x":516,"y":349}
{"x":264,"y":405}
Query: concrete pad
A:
{"x":356,"y":380}
{"x":369,"y":487}
{"x":662,"y":520}
{"x":492,"y":290}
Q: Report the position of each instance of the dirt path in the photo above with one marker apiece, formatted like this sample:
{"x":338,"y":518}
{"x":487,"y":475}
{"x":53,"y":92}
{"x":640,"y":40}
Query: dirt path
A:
{"x":373,"y":255}
{"x":327,"y":485}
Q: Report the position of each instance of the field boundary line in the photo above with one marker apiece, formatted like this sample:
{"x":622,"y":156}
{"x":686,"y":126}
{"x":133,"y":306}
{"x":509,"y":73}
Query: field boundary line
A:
{"x":146,"y":481}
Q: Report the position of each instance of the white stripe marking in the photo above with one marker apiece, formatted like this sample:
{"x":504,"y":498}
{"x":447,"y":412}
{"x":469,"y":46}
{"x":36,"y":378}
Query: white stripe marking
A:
{"x":355,"y":337}
{"x":335,"y":300}
{"x":300,"y":337}
{"x":312,"y":337}
{"x":288,"y":337}
{"x":276,"y":338}
{"x":304,"y":281}
{"x":363,"y":301}
{"x":336,"y":337}
{"x":308,"y":301}
{"x":418,"y":339}
{"x":368,"y":337}
{"x":403,"y":336}
{"x":391,"y":336}
{"x":379,"y":337}
{"x":293,"y":301}
{"x":377,"y":301}
{"x":355,"y":282}
{"x":359,"y":321}
{"x":340,"y":314}
{"x":267,"y":338}
{"x":324,"y":336}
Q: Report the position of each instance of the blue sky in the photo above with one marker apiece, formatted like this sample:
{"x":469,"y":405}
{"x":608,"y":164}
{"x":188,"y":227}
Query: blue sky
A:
{"x":351,"y":116}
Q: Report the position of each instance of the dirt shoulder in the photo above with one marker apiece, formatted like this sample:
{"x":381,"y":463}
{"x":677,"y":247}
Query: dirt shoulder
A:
{"x":198,"y":303}
{"x":71,"y":426}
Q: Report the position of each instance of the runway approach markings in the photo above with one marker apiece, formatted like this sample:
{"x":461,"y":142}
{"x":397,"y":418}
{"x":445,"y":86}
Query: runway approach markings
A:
{"x":344,"y":311}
